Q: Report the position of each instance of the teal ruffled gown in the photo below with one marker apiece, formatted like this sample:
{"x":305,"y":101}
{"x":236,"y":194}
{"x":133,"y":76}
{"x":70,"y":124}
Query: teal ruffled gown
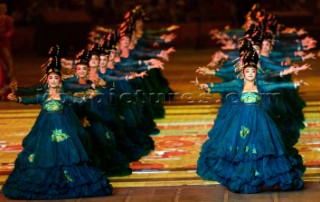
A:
{"x":246,"y":152}
{"x":53,"y":163}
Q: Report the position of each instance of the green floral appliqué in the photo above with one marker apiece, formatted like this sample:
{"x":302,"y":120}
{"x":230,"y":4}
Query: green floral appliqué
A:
{"x":31,"y":158}
{"x":107,"y":135}
{"x":68,"y":177}
{"x":244,"y":132}
{"x":58,"y":136}
{"x":254,"y":151}
{"x":250,"y":97}
{"x":53,"y":105}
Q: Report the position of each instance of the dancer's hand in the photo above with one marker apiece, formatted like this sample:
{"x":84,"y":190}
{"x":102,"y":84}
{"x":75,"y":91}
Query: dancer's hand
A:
{"x":168,"y":37}
{"x":142,"y":74}
{"x":300,"y":83}
{"x":154,"y":63}
{"x":195,"y":82}
{"x":12,"y":97}
{"x":155,"y":66}
{"x":173,"y":27}
{"x":102,"y":82}
{"x":202,"y":70}
{"x":309,"y":56}
{"x":301,"y":32}
{"x":170,"y":50}
{"x":131,"y":76}
{"x":302,"y":68}
{"x":205,"y":71}
{"x":204,"y":87}
{"x":286,"y":62}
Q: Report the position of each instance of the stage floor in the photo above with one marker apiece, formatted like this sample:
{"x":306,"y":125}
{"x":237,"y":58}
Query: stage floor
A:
{"x":168,"y":173}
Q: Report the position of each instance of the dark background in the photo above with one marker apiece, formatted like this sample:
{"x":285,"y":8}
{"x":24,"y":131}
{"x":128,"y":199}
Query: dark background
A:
{"x":41,"y":23}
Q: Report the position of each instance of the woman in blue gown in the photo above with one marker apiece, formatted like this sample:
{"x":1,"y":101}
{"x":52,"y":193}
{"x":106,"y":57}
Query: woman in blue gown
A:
{"x":251,"y":156}
{"x":107,"y":154}
{"x":128,"y":116}
{"x":53,"y":163}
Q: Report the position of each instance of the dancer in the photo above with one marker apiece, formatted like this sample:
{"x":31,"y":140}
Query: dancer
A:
{"x":251,"y":156}
{"x":53,"y":163}
{"x":107,"y":154}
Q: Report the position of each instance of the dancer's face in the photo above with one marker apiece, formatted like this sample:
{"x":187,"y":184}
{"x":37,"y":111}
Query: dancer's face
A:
{"x":266,"y":46}
{"x":112,"y":55}
{"x":124,"y":42}
{"x":250,"y":73}
{"x":94,"y":61}
{"x":53,"y":80}
{"x":82,"y":70}
{"x":103,"y":61}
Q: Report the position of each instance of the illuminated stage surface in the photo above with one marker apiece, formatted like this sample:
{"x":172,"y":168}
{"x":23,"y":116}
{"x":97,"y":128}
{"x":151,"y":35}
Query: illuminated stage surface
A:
{"x":168,"y":173}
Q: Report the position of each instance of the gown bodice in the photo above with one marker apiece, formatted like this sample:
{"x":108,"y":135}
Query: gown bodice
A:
{"x":250,"y":98}
{"x":53,"y":106}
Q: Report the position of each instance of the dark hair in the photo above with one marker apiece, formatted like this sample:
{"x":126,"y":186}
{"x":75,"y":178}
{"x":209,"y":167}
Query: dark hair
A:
{"x":59,"y":73}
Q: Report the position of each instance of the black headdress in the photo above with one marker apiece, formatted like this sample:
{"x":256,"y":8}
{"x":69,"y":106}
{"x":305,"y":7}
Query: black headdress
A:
{"x":112,"y":39}
{"x":54,"y":51}
{"x":245,"y":45}
{"x":268,"y":35}
{"x":96,"y":49}
{"x":54,"y":66}
{"x":126,"y":29}
{"x":255,"y":7}
{"x":109,"y":44}
{"x":139,"y":13}
{"x":257,"y":38}
{"x":251,"y":29}
{"x":250,"y":59}
{"x":83,"y":57}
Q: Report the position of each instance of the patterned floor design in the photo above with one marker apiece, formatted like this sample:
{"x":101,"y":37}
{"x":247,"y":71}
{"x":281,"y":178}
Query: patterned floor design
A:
{"x":173,"y":162}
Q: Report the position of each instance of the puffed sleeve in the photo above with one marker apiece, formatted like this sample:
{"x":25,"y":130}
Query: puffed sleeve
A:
{"x":224,"y":87}
{"x":222,"y":90}
{"x":73,"y":99}
{"x":229,"y":68}
{"x":30,"y":100}
{"x":31,"y":90}
{"x":231,"y":84}
{"x":75,"y":87}
{"x":109,"y":78}
{"x":141,"y":68}
{"x":226,"y":76}
{"x":272,"y":66}
{"x":268,"y":86}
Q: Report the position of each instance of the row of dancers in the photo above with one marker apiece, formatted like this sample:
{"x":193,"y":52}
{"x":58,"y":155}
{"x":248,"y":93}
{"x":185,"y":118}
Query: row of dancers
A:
{"x":97,"y":112}
{"x":251,"y":145}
